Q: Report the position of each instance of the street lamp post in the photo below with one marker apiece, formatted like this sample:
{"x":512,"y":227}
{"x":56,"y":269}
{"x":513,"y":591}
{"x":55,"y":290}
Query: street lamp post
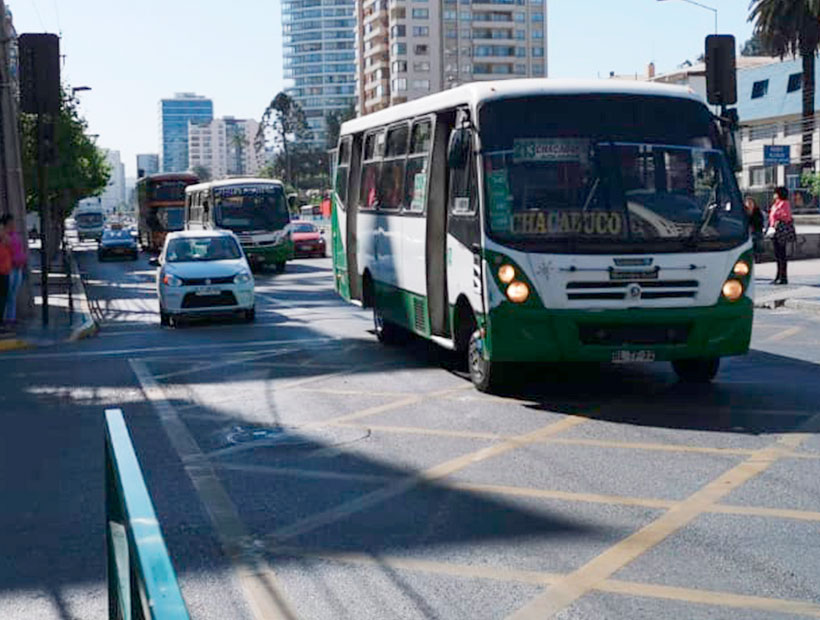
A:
{"x":703,"y":6}
{"x":77,"y":89}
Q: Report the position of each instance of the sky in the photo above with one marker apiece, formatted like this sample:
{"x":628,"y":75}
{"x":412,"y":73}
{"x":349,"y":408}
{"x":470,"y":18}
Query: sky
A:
{"x":133,"y":53}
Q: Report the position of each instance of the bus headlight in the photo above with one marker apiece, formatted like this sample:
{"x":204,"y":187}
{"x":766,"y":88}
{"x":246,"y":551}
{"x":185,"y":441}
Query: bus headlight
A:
{"x":732,"y":290}
{"x":741,"y":268}
{"x":517,"y":292}
{"x":506,"y":273}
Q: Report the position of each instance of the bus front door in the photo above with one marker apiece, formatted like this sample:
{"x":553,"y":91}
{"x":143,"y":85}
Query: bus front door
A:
{"x":436,"y":235}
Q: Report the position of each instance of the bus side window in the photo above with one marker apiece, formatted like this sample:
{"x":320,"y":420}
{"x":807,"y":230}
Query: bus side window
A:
{"x":371,"y":158}
{"x":392,"y":171}
{"x":342,"y":170}
{"x":464,"y":188}
{"x":415,"y":175}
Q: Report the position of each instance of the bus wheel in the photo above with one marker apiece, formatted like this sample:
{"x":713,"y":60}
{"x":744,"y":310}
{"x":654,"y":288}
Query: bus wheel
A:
{"x":486,"y":375}
{"x":280,"y":267}
{"x":387,"y":332}
{"x":698,"y":370}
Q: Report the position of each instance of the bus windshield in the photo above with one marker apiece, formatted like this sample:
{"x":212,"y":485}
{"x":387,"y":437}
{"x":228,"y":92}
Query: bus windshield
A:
{"x":250,"y":207}
{"x":597,"y":184}
{"x":166,"y":191}
{"x":171,"y":218}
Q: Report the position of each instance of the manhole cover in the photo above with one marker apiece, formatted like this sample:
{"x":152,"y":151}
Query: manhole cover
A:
{"x":294,"y":436}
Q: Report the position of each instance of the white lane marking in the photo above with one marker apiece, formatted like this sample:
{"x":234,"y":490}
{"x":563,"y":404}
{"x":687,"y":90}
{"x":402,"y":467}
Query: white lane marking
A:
{"x":257,"y":578}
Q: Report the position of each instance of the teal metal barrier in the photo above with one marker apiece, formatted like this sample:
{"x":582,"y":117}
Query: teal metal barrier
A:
{"x":141,"y":580}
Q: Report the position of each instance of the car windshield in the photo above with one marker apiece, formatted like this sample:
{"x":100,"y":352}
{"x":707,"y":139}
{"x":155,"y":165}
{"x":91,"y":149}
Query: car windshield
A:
{"x":198,"y":249}
{"x":302,"y":227}
{"x":89,"y":219}
{"x":546,"y":190}
{"x":251,"y":207}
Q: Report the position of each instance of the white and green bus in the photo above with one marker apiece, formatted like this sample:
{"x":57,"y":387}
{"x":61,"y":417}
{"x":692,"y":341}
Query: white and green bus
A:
{"x":547,"y":221}
{"x":255,"y":209}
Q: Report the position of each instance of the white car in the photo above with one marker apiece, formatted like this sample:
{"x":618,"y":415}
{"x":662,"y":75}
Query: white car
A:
{"x":201,"y":272}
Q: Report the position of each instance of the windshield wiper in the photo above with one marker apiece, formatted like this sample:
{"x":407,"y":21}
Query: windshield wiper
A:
{"x":711,"y":207}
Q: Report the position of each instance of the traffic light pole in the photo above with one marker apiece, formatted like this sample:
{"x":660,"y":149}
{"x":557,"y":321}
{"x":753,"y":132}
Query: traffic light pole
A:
{"x":42,"y":191}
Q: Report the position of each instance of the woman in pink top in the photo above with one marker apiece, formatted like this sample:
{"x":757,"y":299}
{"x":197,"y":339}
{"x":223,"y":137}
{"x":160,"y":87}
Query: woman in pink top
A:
{"x":782,"y":223}
{"x":18,"y":263}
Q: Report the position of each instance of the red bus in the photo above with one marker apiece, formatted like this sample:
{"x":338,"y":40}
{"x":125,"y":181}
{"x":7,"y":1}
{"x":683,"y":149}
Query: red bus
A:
{"x":161,"y":199}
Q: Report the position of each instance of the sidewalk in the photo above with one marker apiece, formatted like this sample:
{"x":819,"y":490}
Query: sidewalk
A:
{"x":801,"y":293}
{"x":64,"y":323}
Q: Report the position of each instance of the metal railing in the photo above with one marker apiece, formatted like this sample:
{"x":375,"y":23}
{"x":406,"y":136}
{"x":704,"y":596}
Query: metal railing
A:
{"x":141,"y":579}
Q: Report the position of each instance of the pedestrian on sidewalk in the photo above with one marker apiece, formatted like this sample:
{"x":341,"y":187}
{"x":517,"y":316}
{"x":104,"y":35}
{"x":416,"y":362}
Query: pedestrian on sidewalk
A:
{"x":5,"y":265}
{"x":756,"y":224}
{"x":782,"y":231}
{"x":18,"y":264}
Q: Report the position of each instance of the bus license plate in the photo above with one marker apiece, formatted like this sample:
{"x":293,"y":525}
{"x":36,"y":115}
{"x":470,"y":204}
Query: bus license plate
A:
{"x":207,"y":291}
{"x":625,"y":357}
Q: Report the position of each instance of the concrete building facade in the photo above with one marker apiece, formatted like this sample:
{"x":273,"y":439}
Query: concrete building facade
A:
{"x":223,"y":146}
{"x":174,"y":115}
{"x":319,"y":57}
{"x":407,"y":49}
{"x":113,"y":197}
{"x":147,"y":163}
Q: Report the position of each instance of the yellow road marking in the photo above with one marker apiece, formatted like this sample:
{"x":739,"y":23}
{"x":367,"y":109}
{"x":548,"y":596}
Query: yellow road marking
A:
{"x":596,"y":571}
{"x":413,"y":430}
{"x":762,"y":511}
{"x":614,"y":586}
{"x":786,"y":333}
{"x":263,"y":593}
{"x":345,"y":509}
{"x":240,"y":359}
{"x":711,"y":597}
{"x":295,"y":472}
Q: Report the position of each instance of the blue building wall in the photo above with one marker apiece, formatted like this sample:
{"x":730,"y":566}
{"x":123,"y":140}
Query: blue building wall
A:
{"x":777,"y":101}
{"x":174,"y":117}
{"x":319,"y":53}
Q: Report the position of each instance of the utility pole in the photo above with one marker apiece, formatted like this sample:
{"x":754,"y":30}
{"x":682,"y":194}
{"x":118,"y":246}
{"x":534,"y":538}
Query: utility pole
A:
{"x":12,"y":193}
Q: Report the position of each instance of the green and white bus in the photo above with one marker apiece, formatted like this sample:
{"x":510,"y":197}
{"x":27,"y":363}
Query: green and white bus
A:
{"x":255,"y":209}
{"x":547,"y":221}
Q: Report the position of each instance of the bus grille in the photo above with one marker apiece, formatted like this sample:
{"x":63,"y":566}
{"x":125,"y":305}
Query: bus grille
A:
{"x":618,"y":335}
{"x":650,"y":289}
{"x":420,"y":320}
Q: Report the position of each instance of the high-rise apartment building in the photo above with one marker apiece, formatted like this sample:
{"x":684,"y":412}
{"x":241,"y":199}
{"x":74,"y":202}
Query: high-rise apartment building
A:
{"x":113,"y":197}
{"x":223,"y":146}
{"x":406,"y":49}
{"x":174,"y":115}
{"x":147,"y":163}
{"x":319,"y":59}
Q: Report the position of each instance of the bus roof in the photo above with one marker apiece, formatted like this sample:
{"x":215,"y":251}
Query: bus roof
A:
{"x":234,"y":181}
{"x":169,"y":176}
{"x":475,"y":92}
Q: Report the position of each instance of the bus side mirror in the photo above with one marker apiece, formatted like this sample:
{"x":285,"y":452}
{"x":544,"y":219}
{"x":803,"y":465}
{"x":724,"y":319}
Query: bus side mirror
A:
{"x":458,"y":150}
{"x":292,"y":198}
{"x":153,"y":261}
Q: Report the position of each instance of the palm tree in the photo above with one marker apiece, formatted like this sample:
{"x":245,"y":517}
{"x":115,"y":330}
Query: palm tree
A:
{"x":793,"y":27}
{"x":239,"y":142}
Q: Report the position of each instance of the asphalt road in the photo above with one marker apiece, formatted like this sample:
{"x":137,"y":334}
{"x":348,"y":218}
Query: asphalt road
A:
{"x":300,"y":469}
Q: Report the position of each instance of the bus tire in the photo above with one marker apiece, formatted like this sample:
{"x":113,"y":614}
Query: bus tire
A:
{"x":697,"y":370}
{"x":386,"y":332}
{"x":280,"y":267}
{"x":486,"y":375}
{"x":250,"y":315}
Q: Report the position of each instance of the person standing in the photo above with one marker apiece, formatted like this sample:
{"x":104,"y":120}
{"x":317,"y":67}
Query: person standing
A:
{"x":756,"y":224}
{"x":781,"y":225}
{"x":18,"y":264}
{"x":5,"y":264}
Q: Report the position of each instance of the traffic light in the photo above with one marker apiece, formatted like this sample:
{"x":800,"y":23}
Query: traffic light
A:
{"x":721,"y":86}
{"x":39,"y":56}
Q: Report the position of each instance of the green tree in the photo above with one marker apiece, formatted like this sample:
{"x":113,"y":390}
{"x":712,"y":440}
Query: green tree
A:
{"x":238,"y":141}
{"x":754,"y":47}
{"x":203,"y":173}
{"x":78,"y":169}
{"x":334,"y":121}
{"x":283,"y":124}
{"x":792,"y":27}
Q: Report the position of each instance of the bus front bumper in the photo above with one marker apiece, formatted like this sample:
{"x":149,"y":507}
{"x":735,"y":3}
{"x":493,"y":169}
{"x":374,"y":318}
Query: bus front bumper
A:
{"x":517,"y":334}
{"x":269,"y":254}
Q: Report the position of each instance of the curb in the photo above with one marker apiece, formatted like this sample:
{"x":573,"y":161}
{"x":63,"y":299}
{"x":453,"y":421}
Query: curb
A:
{"x":89,"y":326}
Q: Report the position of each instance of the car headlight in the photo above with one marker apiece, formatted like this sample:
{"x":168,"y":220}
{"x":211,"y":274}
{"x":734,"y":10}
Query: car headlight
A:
{"x":170,"y":279}
{"x":243,"y":277}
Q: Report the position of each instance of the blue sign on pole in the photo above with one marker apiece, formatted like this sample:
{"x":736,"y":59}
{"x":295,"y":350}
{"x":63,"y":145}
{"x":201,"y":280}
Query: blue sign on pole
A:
{"x":774,"y":154}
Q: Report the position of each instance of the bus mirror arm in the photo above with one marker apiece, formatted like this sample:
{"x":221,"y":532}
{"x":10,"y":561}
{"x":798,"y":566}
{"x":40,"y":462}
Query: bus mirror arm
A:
{"x":475,"y":248}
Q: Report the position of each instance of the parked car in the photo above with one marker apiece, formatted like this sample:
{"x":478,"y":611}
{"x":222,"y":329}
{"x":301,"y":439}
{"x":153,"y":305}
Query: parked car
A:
{"x":308,"y":239}
{"x":203,"y":272}
{"x":117,"y":242}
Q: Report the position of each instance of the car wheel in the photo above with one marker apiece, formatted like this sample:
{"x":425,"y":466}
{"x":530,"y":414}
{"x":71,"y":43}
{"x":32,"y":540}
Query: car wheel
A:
{"x":250,"y":315}
{"x":280,"y":267}
{"x":164,"y":319}
{"x":100,"y":256}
